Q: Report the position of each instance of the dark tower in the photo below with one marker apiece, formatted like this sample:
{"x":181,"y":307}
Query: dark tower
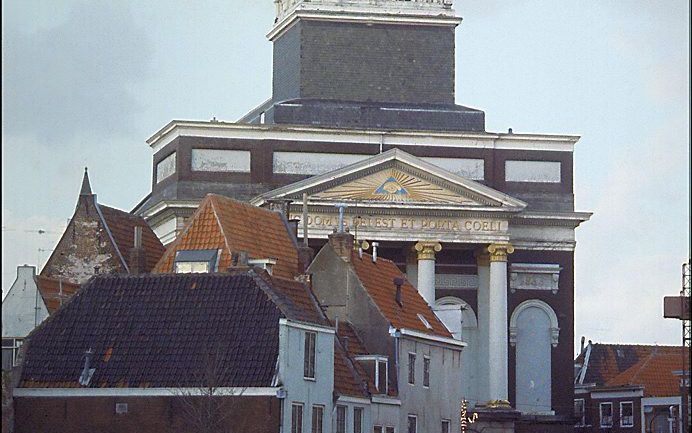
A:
{"x":358,"y":63}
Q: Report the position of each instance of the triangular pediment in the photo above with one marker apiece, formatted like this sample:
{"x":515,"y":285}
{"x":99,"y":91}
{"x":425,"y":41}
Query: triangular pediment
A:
{"x":393,"y":185}
{"x":395,"y":178}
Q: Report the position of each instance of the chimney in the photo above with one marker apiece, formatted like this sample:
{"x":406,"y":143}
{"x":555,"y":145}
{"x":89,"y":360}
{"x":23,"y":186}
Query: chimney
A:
{"x":137,"y":255}
{"x":266,"y":264}
{"x":374,"y":251}
{"x":345,"y":343}
{"x":582,"y":344}
{"x":293,"y":227}
{"x":398,"y":282}
{"x":239,"y":258}
{"x":342,"y":243}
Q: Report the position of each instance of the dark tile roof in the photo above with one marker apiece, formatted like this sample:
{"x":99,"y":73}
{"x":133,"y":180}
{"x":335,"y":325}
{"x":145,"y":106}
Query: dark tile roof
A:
{"x":157,"y":331}
{"x":55,"y":292}
{"x":231,"y":226}
{"x":122,"y":226}
{"x":377,"y":278}
{"x":655,"y":373}
{"x":606,"y":361}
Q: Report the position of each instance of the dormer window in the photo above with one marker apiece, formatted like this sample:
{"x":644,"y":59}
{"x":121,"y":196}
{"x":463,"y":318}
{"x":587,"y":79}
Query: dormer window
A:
{"x":196,"y":261}
{"x":376,"y":366}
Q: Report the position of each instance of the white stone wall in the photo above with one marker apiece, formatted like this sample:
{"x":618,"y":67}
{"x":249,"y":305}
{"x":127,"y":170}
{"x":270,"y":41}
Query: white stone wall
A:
{"x":23,"y":308}
{"x":533,"y":171}
{"x":165,"y":167}
{"x":313,"y":163}
{"x":469,"y":168}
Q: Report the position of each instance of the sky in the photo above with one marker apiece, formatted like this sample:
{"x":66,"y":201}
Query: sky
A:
{"x":85,"y":83}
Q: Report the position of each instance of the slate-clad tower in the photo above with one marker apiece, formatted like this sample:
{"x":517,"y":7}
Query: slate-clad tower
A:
{"x":362,"y":63}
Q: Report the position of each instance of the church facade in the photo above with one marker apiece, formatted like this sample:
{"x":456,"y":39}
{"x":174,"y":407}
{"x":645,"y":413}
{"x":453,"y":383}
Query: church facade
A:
{"x":362,"y":130}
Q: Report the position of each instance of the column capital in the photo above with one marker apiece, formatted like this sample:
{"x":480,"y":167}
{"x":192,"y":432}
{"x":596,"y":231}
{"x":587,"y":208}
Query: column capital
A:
{"x":427,"y":249}
{"x":482,"y":257}
{"x":500,"y":251}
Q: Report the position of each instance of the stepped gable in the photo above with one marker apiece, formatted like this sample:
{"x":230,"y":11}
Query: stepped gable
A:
{"x":655,"y":373}
{"x":378,"y":279}
{"x":55,"y":292}
{"x":157,"y":331}
{"x":232,"y":226}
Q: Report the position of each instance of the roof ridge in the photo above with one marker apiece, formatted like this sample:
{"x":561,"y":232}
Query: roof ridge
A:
{"x":110,"y":235}
{"x":218,"y":222}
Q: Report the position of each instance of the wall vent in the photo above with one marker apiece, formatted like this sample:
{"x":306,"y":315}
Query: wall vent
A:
{"x":120,"y":408}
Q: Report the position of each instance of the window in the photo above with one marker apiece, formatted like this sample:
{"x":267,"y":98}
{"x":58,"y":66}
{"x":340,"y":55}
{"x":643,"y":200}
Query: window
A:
{"x":412,"y":424}
{"x":357,"y":420}
{"x":426,"y":371}
{"x":297,"y":418}
{"x":309,"y":359}
{"x":317,"y":419}
{"x":425,"y":321}
{"x":445,"y":426}
{"x":377,"y":429}
{"x":10,"y":350}
{"x":606,"y":411}
{"x":196,"y":261}
{"x":389,"y":429}
{"x":412,"y":368}
{"x":381,"y":377}
{"x":626,"y":414}
{"x":579,"y":411}
{"x":341,"y":419}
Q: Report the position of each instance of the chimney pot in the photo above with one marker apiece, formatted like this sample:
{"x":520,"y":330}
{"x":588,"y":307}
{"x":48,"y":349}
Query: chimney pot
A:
{"x":398,"y":282}
{"x":342,"y":243}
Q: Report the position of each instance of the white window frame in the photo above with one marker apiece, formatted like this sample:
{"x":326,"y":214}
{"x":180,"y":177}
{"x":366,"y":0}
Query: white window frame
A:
{"x":426,"y":371}
{"x":295,"y":427}
{"x":582,"y":420}
{"x":357,"y":410}
{"x":631,"y":424}
{"x":378,"y":373}
{"x":415,"y":423}
{"x":411,"y":369}
{"x":309,"y":356}
{"x":449,"y":426}
{"x":345,"y":425}
{"x":14,"y":345}
{"x":317,"y":427}
{"x":600,"y":414}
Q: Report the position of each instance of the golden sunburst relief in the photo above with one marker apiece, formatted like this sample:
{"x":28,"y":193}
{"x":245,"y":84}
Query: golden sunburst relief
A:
{"x":395,"y":186}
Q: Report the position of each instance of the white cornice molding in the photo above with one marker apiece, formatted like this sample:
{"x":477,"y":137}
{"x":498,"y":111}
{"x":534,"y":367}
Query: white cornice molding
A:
{"x":472,"y":140}
{"x":144,"y":392}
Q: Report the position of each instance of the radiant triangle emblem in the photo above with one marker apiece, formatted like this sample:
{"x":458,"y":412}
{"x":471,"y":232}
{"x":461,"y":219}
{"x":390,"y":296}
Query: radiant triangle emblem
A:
{"x":391,"y":186}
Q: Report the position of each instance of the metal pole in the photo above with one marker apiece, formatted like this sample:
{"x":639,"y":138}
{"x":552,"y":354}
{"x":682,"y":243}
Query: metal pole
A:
{"x":305,"y":219}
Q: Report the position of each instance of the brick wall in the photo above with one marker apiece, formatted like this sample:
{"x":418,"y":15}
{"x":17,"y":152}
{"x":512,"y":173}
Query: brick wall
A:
{"x":145,"y":415}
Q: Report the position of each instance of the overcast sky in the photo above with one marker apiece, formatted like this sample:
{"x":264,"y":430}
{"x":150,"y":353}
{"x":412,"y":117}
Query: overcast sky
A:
{"x":85,"y":83}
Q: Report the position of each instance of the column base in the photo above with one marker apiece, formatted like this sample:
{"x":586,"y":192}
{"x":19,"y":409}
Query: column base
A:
{"x":496,"y":416}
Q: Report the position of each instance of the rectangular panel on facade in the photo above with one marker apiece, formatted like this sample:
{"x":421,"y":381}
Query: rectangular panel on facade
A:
{"x":469,"y":168}
{"x":165,"y":167}
{"x":456,"y":281}
{"x":221,"y":160}
{"x":533,"y":171}
{"x":534,"y":276}
{"x":313,"y":163}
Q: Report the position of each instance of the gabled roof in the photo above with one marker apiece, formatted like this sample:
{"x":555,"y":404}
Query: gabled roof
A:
{"x":655,"y":373}
{"x":232,"y":226}
{"x":122,"y":227}
{"x":157,"y":331}
{"x":55,"y":292}
{"x":606,"y":361}
{"x":425,"y":184}
{"x":378,"y":280}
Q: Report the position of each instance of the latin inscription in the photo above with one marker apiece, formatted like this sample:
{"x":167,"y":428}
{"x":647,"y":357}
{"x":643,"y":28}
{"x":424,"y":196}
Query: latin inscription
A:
{"x":406,"y":223}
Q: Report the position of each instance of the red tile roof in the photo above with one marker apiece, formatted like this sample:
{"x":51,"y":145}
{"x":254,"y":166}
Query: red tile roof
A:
{"x":355,"y":345}
{"x":232,"y":226}
{"x":55,"y":292}
{"x":378,"y":279}
{"x":655,"y":373}
{"x":122,"y":226}
{"x":606,"y":361}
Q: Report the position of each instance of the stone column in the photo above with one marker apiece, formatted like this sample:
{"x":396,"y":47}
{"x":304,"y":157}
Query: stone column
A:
{"x":426,"y":269}
{"x":497,"y":320}
{"x":483,"y":262}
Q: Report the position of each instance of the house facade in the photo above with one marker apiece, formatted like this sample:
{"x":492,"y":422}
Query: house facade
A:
{"x":630,"y":388}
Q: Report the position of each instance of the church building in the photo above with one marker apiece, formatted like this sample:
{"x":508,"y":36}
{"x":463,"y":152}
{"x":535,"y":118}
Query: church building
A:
{"x":362,"y":131}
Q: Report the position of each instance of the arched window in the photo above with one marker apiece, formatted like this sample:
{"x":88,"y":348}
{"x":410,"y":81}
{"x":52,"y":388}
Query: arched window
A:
{"x":468,"y":332}
{"x":533,"y":329}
